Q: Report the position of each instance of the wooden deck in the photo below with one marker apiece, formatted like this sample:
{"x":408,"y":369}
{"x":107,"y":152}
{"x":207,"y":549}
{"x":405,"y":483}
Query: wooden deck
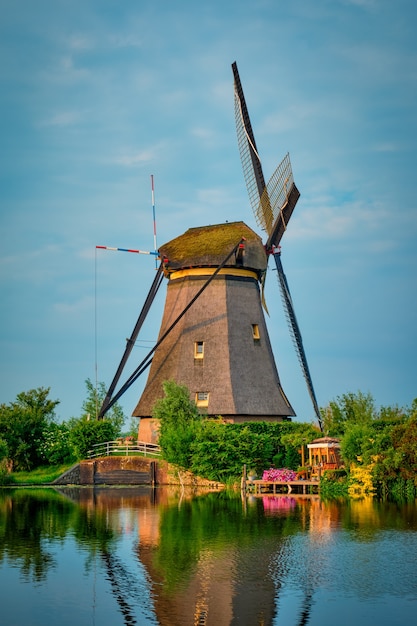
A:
{"x":258,"y":487}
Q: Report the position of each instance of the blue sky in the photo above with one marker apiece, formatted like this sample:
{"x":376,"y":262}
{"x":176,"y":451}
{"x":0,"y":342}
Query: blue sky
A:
{"x":98,"y":95}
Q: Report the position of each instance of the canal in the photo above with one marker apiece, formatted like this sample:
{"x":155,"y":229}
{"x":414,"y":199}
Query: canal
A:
{"x":101,"y":557}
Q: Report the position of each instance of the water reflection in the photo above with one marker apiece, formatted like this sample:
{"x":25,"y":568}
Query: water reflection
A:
{"x":155,"y":556}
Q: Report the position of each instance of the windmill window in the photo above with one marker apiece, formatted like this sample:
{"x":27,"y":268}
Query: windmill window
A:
{"x":255,"y":331}
{"x":199,"y":350}
{"x":202,"y":398}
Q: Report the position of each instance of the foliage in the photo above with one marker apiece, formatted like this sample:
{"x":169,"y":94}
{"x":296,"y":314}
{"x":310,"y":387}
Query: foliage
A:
{"x":221,"y":450}
{"x":179,"y":421}
{"x":380,"y":444}
{"x":55,"y":447}
{"x":348,"y":408}
{"x":397,"y":461}
{"x":334,"y":483}
{"x":4,"y":449}
{"x":132,"y":429}
{"x":30,"y":436}
{"x":357,"y":443}
{"x":23,"y":424}
{"x":4,"y":469}
{"x":92,"y":405}
{"x":288,"y":456}
{"x":360,"y":481}
{"x":85,"y":433}
{"x":5,"y":477}
{"x":387,"y":448}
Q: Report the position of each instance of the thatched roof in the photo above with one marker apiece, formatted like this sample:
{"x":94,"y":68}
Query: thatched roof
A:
{"x":208,"y":246}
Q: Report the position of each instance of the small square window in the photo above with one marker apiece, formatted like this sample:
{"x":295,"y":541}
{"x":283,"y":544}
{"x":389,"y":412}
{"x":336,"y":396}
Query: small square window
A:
{"x":199,"y":349}
{"x":255,"y":331}
{"x":202,"y":398}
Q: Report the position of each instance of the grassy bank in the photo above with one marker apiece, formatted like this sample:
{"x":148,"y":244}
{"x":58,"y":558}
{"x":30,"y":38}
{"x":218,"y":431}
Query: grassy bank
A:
{"x":39,"y":476}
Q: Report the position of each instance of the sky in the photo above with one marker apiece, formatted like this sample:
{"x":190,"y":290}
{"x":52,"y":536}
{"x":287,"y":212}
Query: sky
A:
{"x":96,"y":96}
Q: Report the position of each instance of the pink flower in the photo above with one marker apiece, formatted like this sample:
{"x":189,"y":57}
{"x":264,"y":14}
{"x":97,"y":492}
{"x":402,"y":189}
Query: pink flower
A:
{"x":282,"y":475}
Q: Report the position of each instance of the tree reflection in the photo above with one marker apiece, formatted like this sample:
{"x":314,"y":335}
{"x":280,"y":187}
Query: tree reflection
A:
{"x":29,"y":518}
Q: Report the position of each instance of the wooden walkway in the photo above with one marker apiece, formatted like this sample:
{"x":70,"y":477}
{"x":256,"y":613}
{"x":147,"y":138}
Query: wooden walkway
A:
{"x":264,"y":487}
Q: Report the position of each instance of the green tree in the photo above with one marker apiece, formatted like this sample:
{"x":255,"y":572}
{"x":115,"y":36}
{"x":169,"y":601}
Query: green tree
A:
{"x":23,"y":424}
{"x":4,"y":450}
{"x":179,"y":421}
{"x":93,"y":402}
{"x":86,"y":431}
{"x":347,"y":409}
{"x":356,"y":445}
{"x":293,"y":448}
{"x":404,"y":445}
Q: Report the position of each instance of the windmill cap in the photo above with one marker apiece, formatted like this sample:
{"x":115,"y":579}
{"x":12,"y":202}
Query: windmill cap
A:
{"x":208,"y":246}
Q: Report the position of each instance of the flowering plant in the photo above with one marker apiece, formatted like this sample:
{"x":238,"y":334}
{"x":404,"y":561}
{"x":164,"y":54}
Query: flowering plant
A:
{"x":282,"y":475}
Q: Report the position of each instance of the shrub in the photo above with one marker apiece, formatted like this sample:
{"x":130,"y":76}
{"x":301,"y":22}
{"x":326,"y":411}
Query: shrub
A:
{"x":85,"y":433}
{"x":179,"y":422}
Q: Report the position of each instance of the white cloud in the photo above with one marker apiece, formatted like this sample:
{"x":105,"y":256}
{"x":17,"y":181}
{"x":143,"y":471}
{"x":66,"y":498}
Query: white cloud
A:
{"x":365,"y":4}
{"x":74,"y":307}
{"x":63,"y":118}
{"x":132,"y":159}
{"x":64,"y":71}
{"x":126,"y":41}
{"x":80,"y":42}
{"x":326,"y":218}
{"x":387,"y":147}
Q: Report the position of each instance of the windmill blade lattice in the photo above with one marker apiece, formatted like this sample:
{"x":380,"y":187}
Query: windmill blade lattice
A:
{"x":272,"y":205}
{"x":296,"y":334}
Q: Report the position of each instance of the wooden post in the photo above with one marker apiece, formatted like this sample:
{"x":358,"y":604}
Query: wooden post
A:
{"x":153,"y":473}
{"x":243,"y":485}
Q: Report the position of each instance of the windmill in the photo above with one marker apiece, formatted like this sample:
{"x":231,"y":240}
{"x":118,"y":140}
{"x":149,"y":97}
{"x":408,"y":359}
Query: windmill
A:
{"x":213,"y":337}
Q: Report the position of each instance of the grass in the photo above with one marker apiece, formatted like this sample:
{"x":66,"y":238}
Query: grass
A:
{"x":39,"y":476}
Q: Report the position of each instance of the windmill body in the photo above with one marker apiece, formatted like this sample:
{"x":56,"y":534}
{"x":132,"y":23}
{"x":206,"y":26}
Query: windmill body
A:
{"x":220,"y":349}
{"x":213,"y":336}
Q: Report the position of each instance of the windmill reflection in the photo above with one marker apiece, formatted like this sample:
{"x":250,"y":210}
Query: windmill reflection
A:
{"x":210,"y":559}
{"x":211,"y":563}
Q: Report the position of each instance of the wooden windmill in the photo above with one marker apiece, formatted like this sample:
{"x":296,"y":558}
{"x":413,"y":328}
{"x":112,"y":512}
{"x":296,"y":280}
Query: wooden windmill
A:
{"x":213,"y":336}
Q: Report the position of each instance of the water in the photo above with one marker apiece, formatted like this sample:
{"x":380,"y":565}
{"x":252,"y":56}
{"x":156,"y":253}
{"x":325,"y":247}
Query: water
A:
{"x":158,"y":557}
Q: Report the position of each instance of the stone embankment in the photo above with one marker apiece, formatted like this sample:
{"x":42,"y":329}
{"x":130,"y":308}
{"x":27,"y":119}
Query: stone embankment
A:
{"x":130,"y":470}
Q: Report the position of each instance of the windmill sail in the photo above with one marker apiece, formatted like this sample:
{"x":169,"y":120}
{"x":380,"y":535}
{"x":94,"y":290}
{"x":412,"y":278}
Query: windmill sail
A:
{"x":296,"y":334}
{"x":252,"y":167}
{"x":108,"y":400}
{"x":272,"y":205}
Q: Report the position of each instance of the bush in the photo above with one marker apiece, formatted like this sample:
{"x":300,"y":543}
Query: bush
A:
{"x":334,"y":484}
{"x":179,"y":422}
{"x":85,"y":433}
{"x":221,"y":450}
{"x":56,"y":447}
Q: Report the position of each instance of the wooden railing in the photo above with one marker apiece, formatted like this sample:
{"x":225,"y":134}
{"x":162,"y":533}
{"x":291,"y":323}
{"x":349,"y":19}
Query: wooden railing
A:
{"x":118,"y":448}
